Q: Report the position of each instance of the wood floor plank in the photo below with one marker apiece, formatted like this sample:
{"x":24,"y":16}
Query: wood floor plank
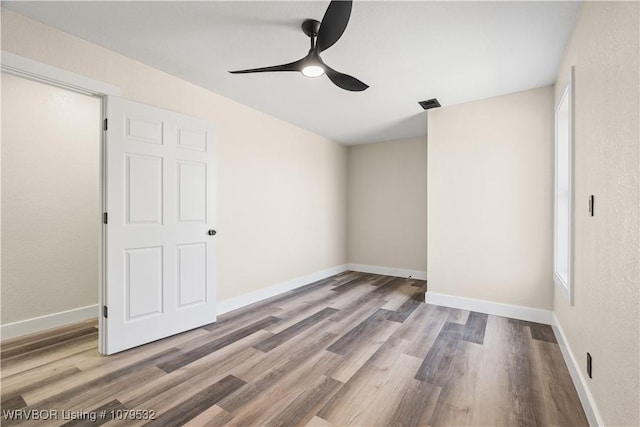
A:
{"x":199,"y":402}
{"x":235,"y":401}
{"x":457,"y":316}
{"x":407,"y":308}
{"x":217,"y":334}
{"x":266,"y":306}
{"x":422,"y":284}
{"x":214,"y":416}
{"x":416,"y":405}
{"x":474,"y":327}
{"x":100,"y":375}
{"x":492,"y":403}
{"x":316,"y":421}
{"x":422,"y":328}
{"x":51,"y":348}
{"x":542,"y":332}
{"x":279,"y":338}
{"x":361,"y":332}
{"x":74,"y":388}
{"x":98,"y":396}
{"x":309,"y":303}
{"x":264,"y":362}
{"x":48,"y":334}
{"x":106,"y":409}
{"x":555,"y":388}
{"x":349,"y":284}
{"x":17,"y":389}
{"x":82,"y":399}
{"x":303,"y":408}
{"x":203,"y":350}
{"x":389,"y":287}
{"x":524,"y":399}
{"x":18,"y":364}
{"x":359,"y":401}
{"x":227,"y":324}
{"x":281,"y":393}
{"x":14,"y":402}
{"x":353,"y":306}
{"x":88,"y":361}
{"x":97,"y":363}
{"x":59,"y":340}
{"x":398,"y":297}
{"x":347,"y":365}
{"x":436,"y":367}
{"x":352,"y":349}
{"x":160,"y":393}
{"x":456,"y":399}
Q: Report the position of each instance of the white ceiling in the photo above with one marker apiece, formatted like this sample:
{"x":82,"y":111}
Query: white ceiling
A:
{"x":405,"y":51}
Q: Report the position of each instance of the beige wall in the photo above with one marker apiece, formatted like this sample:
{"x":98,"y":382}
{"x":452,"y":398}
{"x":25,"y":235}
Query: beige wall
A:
{"x":604,"y":319}
{"x":51,"y":184}
{"x":281,"y":189}
{"x":490,"y":181}
{"x":388,"y":204}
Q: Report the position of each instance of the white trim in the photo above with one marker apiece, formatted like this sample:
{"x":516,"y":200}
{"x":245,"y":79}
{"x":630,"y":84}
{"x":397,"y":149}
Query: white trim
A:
{"x":25,"y":67}
{"x":42,"y":323}
{"x":34,"y":70}
{"x":564,"y":284}
{"x":389,"y":271}
{"x":579,"y":381}
{"x":231,"y":304}
{"x":495,"y":308}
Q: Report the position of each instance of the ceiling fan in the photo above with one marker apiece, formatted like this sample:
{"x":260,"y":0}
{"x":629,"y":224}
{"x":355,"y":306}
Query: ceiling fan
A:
{"x":323,"y":35}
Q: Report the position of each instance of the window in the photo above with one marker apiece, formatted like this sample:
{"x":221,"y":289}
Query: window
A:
{"x":563,"y":234}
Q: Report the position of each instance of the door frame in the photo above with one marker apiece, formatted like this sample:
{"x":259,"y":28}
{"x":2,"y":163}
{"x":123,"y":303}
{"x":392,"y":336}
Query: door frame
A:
{"x":48,"y":74}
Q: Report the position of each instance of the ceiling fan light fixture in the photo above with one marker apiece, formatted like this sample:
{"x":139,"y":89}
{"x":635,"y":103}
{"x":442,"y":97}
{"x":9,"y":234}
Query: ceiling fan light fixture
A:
{"x":313,"y":70}
{"x":322,"y":35}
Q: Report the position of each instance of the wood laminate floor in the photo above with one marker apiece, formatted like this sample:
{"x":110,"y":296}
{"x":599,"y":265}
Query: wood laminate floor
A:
{"x":355,"y":349}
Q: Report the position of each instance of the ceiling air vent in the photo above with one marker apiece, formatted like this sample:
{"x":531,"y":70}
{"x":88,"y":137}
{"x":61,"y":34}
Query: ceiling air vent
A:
{"x":429,"y":103}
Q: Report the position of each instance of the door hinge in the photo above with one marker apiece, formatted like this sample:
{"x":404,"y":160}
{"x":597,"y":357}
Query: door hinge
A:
{"x":104,"y":311}
{"x":106,"y":126}
{"x":104,"y":218}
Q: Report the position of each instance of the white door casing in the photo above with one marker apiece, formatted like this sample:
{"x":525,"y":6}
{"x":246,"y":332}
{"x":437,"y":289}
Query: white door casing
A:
{"x":160,"y":199}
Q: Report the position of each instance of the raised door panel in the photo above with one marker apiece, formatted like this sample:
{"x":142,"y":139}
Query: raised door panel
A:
{"x":192,"y":140}
{"x":192,"y":274}
{"x":143,"y":189}
{"x":144,"y":130}
{"x":143,"y":282}
{"x":192,"y":191}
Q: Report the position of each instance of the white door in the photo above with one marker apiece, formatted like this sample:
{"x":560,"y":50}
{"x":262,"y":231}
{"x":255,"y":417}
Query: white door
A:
{"x":160,"y":245}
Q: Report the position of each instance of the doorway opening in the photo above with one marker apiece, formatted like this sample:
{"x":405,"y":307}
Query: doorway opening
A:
{"x":156,"y":278}
{"x":51,"y":205}
{"x":50,"y":180}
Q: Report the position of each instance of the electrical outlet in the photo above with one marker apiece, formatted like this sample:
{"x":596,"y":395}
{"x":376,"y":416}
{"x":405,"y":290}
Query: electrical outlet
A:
{"x":589,"y":365}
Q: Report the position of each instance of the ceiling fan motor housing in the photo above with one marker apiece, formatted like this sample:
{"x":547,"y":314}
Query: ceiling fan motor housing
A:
{"x":311,"y":27}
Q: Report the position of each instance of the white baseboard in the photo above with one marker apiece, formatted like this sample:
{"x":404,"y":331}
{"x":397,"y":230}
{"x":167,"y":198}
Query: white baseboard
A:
{"x":42,"y":323}
{"x":231,"y":304}
{"x":488,"y":307}
{"x":579,"y":381}
{"x":388,"y":271}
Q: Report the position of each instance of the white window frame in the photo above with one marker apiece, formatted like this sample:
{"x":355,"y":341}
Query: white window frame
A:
{"x":563,"y":231}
